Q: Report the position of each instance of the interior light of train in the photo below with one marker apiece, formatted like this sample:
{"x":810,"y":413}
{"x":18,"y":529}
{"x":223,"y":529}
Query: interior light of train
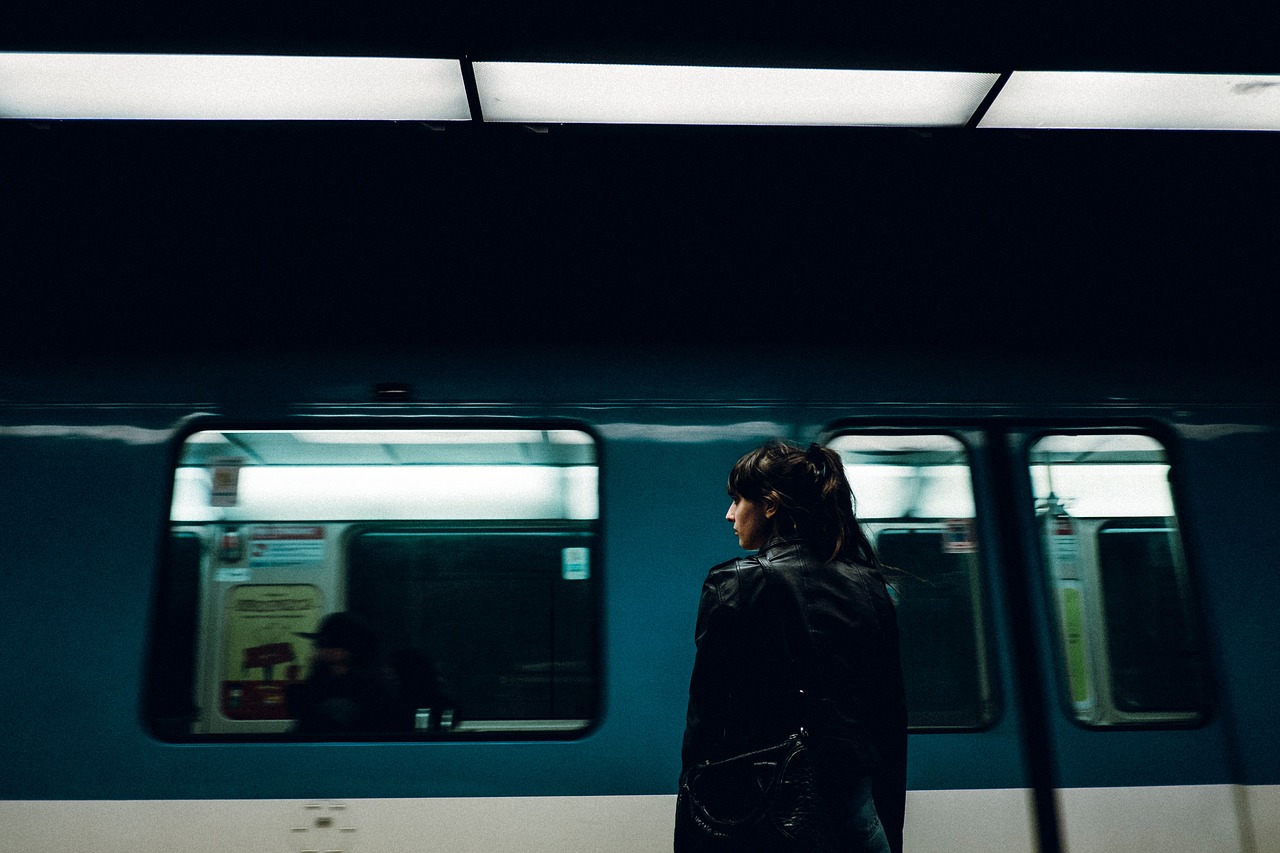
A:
{"x":872,"y":447}
{"x":442,"y":436}
{"x":1093,"y":99}
{"x":907,"y":476}
{"x":381,"y":492}
{"x":664,"y":94}
{"x":1106,"y":491}
{"x":1118,"y":448}
{"x":172,"y":86}
{"x":902,"y":491}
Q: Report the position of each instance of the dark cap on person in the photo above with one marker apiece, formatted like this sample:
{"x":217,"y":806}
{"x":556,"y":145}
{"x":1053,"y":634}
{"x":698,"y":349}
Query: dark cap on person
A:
{"x":343,"y":631}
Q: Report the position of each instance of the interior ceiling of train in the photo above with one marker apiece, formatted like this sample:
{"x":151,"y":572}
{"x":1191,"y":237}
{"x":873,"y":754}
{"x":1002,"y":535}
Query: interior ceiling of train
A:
{"x":962,"y":226}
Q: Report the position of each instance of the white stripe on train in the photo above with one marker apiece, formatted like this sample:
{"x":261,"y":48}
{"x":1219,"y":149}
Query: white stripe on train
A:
{"x":1176,"y":819}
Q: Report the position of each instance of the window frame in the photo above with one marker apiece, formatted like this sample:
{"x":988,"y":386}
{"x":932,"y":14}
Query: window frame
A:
{"x":151,"y":698}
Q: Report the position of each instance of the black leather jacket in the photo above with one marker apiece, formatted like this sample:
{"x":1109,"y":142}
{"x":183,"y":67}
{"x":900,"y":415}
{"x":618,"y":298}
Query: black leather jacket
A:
{"x":780,"y":622}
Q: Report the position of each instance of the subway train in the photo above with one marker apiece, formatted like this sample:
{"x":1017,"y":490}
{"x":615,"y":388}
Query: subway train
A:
{"x":1083,"y":562}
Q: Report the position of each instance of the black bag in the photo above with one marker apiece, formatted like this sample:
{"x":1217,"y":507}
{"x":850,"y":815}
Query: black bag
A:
{"x":765,"y":800}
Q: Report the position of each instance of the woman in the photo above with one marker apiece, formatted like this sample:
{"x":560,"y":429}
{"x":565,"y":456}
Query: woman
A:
{"x":803,"y":633}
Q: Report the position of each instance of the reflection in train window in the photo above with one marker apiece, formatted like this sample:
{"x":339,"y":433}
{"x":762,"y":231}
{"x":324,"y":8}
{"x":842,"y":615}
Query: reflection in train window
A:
{"x":914,"y":497}
{"x":1129,"y":649}
{"x":463,"y":562}
{"x":532,"y":658}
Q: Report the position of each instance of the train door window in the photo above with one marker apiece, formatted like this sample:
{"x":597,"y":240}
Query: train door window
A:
{"x":914,"y":497}
{"x":454,"y":571}
{"x":1130,"y":652}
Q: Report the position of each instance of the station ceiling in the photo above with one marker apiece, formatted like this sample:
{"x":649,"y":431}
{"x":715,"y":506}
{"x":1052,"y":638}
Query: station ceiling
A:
{"x":322,"y":232}
{"x":1235,"y":36}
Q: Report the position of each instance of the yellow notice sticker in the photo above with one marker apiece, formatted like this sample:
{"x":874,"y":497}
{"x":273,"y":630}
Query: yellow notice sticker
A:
{"x":1073,"y":639}
{"x":263,"y":652}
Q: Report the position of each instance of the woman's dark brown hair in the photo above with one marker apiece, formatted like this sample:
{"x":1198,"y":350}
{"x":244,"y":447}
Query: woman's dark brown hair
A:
{"x":813,"y":498}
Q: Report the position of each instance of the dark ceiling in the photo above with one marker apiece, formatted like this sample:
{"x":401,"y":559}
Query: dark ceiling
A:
{"x":1231,"y":36}
{"x":321,"y":235}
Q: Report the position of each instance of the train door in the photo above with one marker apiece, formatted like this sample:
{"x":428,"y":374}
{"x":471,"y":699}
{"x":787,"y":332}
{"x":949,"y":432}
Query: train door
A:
{"x":970,"y":786}
{"x":1137,"y":755}
{"x":1057,"y":673}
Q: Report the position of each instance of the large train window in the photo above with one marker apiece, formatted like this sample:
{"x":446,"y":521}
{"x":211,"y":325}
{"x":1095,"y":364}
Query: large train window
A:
{"x":914,"y":497}
{"x":1130,"y":653}
{"x":408,"y":584}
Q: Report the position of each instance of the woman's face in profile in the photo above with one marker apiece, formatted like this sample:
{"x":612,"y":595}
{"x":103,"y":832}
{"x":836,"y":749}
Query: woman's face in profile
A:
{"x":750,"y":521}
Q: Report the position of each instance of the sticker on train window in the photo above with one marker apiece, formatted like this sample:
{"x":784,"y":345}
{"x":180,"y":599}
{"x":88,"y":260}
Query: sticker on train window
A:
{"x":401,"y":584}
{"x":286,"y":545}
{"x":1130,"y":650}
{"x":957,"y":536}
{"x":914,"y":497}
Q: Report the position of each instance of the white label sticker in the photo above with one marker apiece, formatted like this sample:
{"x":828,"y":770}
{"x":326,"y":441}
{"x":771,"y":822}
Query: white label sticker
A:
{"x":575,"y":564}
{"x":224,"y":490}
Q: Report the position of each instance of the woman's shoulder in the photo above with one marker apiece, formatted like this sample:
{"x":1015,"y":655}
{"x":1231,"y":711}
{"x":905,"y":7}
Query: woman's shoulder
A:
{"x":730,"y":580}
{"x":735,"y":567}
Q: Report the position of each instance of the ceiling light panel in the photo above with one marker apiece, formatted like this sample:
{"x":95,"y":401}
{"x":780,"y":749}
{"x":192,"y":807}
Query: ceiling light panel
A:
{"x":174,"y":86}
{"x":1092,"y":99}
{"x":665,"y":94}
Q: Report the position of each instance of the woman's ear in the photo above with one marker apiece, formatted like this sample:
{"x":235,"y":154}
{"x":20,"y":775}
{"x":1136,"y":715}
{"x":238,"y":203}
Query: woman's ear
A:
{"x":770,"y":507}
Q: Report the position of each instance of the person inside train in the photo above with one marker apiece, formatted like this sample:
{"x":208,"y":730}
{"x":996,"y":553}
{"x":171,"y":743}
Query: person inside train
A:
{"x":345,"y":690}
{"x":801,"y":635}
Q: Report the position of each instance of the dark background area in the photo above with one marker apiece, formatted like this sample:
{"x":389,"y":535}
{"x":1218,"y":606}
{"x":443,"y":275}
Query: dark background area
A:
{"x":151,"y":237}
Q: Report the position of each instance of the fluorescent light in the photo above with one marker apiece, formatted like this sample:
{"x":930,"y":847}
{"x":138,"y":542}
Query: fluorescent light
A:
{"x":424,"y":436}
{"x":1094,"y":99}
{"x":664,"y":94}
{"x":414,"y":436}
{"x":171,"y":86}
{"x":901,"y":491}
{"x":381,"y":492}
{"x":1106,"y":491}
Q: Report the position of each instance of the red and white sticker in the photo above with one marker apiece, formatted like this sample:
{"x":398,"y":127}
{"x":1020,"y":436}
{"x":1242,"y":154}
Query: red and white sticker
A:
{"x":224,"y":490}
{"x":958,"y":537}
{"x":286,"y":545}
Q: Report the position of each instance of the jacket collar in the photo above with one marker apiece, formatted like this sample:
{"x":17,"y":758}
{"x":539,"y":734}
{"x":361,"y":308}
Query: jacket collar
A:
{"x":777,"y":544}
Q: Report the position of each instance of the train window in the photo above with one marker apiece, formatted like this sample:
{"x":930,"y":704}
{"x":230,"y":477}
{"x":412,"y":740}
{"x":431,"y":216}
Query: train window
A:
{"x":1130,"y":652}
{"x":524,"y":665}
{"x":372,"y":584}
{"x":914,"y":497}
